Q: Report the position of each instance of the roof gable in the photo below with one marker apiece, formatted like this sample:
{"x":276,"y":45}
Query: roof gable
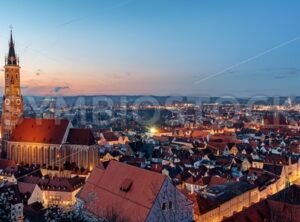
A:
{"x":133,"y":189}
{"x":80,"y":137}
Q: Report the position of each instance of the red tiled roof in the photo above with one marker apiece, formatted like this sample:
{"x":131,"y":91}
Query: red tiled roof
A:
{"x":156,"y":167}
{"x":55,"y":183}
{"x":206,"y":180}
{"x":199,"y":133}
{"x":216,"y":180}
{"x":26,"y":187}
{"x":276,"y":159}
{"x":258,"y":212}
{"x":7,"y":163}
{"x":40,"y":130}
{"x":81,"y":137}
{"x":103,"y":189}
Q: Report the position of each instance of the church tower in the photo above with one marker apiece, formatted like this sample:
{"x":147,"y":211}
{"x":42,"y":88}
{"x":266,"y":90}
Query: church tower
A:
{"x":12,"y":104}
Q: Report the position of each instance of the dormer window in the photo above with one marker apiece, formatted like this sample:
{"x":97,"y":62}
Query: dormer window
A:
{"x":126,"y":185}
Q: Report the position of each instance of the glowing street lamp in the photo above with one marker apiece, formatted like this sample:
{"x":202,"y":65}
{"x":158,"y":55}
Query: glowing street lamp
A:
{"x":153,"y":130}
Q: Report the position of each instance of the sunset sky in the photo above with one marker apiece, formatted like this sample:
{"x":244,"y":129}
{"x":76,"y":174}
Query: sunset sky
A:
{"x":157,"y":47}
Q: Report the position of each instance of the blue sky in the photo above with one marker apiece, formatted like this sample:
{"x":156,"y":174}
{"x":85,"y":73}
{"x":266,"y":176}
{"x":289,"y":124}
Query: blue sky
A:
{"x":158,"y":47}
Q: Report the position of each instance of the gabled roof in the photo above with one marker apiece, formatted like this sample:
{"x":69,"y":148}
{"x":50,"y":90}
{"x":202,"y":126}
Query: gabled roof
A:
{"x":33,"y":130}
{"x":26,"y":187}
{"x":276,"y":159}
{"x":223,"y":193}
{"x":20,"y":171}
{"x":259,"y":212}
{"x":133,"y":190}
{"x":110,"y":136}
{"x":80,"y":137}
{"x":56,"y":183}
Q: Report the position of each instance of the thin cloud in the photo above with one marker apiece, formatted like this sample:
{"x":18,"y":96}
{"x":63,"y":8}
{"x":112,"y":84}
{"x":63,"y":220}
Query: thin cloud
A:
{"x":58,"y":89}
{"x":288,"y":73}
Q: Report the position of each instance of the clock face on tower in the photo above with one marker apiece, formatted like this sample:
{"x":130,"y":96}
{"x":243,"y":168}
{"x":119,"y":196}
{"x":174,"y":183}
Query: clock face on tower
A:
{"x":18,"y":102}
{"x":7,"y":102}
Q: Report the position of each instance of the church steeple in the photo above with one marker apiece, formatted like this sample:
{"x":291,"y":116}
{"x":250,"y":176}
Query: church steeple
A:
{"x":11,"y":58}
{"x":12,"y":105}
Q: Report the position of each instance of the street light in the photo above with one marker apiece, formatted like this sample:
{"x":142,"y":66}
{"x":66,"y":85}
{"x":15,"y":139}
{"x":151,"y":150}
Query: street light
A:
{"x":153,"y":130}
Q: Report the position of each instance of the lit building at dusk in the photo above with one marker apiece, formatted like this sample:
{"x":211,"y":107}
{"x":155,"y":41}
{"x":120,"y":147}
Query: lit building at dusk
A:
{"x":52,"y":143}
{"x":150,"y":111}
{"x":46,"y":142}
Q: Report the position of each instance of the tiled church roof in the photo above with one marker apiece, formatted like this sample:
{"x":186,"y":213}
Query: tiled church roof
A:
{"x":33,"y":130}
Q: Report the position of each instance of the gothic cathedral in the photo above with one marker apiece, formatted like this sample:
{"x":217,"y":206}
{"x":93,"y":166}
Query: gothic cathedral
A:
{"x":12,"y":104}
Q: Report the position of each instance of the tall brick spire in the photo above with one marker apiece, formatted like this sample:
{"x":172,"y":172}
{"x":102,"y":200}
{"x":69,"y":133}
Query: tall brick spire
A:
{"x":11,"y":58}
